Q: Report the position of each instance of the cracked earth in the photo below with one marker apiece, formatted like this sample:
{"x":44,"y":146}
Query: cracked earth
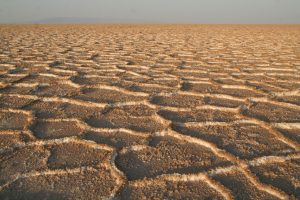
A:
{"x":149,"y":112}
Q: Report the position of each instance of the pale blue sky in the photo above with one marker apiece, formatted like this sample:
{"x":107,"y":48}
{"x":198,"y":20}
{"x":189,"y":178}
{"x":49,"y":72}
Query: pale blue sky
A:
{"x":150,"y":11}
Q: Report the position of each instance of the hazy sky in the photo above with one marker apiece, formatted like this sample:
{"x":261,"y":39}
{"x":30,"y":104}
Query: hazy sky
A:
{"x":150,"y":11}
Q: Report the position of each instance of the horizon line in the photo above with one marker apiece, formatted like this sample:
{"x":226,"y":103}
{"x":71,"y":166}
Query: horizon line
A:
{"x":137,"y":23}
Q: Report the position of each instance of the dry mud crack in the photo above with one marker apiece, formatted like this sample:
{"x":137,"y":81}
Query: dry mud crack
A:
{"x":149,"y":112}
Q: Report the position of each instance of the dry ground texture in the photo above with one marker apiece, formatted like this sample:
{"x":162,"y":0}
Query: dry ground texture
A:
{"x":150,"y":112}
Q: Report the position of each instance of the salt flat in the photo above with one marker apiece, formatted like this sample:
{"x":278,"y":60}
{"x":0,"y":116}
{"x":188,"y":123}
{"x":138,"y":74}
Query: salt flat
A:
{"x":149,"y":111}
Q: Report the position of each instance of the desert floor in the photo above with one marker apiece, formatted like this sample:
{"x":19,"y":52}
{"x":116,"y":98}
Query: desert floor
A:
{"x":149,"y":112}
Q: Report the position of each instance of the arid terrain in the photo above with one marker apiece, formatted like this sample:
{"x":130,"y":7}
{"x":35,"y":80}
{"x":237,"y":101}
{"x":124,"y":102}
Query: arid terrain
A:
{"x":150,"y":112}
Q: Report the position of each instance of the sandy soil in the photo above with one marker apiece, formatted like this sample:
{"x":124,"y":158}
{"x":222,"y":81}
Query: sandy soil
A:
{"x":149,"y":112}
